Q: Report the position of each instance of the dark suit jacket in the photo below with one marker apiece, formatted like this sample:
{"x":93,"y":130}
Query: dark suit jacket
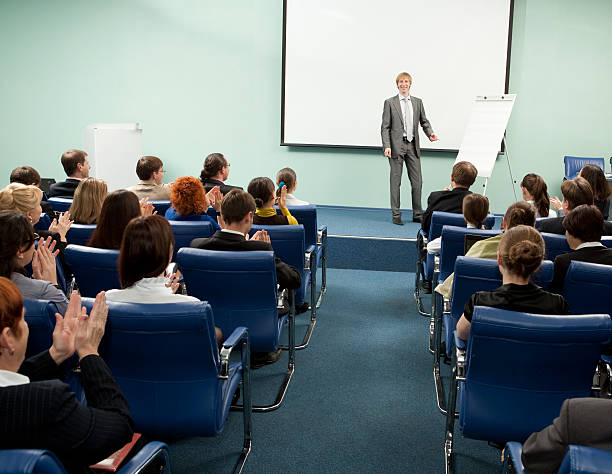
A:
{"x":210,"y":183}
{"x":600,"y":255}
{"x":286,"y":275}
{"x":64,"y":188}
{"x":554,"y":225}
{"x":445,"y":201}
{"x":44,"y":414}
{"x":582,"y":421}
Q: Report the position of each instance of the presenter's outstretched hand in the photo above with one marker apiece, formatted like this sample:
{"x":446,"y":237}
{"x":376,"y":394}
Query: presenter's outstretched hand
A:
{"x":433,"y":137}
{"x":388,"y":152}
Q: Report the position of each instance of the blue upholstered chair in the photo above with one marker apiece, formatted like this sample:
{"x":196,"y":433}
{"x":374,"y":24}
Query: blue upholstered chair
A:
{"x":573,"y":165}
{"x":471,"y":275}
{"x":40,"y":461}
{"x":79,"y":234}
{"x":161,"y":206}
{"x":185,"y":231}
{"x":314,"y":234}
{"x":44,"y":222}
{"x":556,"y":244}
{"x":166,"y":361}
{"x":241,"y":287}
{"x":606,"y":240}
{"x":518,"y":369}
{"x":40,"y":316}
{"x":94,"y":269}
{"x":577,"y":460}
{"x":60,"y":204}
{"x":288,"y":244}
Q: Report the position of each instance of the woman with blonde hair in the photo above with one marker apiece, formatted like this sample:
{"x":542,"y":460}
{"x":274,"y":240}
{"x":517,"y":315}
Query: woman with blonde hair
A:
{"x":88,"y":198}
{"x":520,"y":254}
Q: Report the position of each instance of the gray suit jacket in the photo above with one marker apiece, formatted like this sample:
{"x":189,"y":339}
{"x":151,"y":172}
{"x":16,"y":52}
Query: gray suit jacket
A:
{"x":392,"y":127}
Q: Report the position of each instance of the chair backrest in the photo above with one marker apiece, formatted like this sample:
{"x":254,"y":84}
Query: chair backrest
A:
{"x":185,"y":231}
{"x":288,"y":243}
{"x":240,"y":286}
{"x":439,"y":219}
{"x":165,"y":359}
{"x":606,"y":240}
{"x":44,"y":222}
{"x":60,"y":204}
{"x":79,"y":234}
{"x":94,"y":269}
{"x":453,"y":245}
{"x":521,"y":367}
{"x":307,"y":216}
{"x":161,"y":207}
{"x":573,"y":165}
{"x":40,"y":316}
{"x":556,"y":244}
{"x":588,"y":288}
{"x":585,"y":460}
{"x":29,"y":461}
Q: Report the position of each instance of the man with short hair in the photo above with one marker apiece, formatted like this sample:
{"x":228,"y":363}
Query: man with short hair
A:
{"x":215,"y":172}
{"x":462,"y":177}
{"x":399,"y":130}
{"x":150,"y":171}
{"x":29,"y":176}
{"x":76,"y":168}
{"x":236,"y":219}
{"x":575,"y":192}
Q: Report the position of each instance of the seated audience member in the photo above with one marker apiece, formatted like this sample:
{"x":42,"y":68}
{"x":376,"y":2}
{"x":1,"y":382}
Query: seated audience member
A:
{"x":215,"y":172}
{"x":76,"y":168}
{"x":190,"y":202}
{"x":535,"y":192}
{"x":520,"y":254}
{"x":237,"y":210}
{"x":118,"y":208}
{"x":28,"y":175}
{"x":601,"y":189}
{"x":262,"y":190}
{"x":17,"y":251}
{"x":451,"y":200}
{"x":26,"y":199}
{"x":583,"y":229}
{"x":582,"y":421}
{"x":475,"y":211}
{"x":38,"y":410}
{"x":519,"y":213}
{"x":88,"y":198}
{"x":150,"y":171}
{"x":288,"y":177}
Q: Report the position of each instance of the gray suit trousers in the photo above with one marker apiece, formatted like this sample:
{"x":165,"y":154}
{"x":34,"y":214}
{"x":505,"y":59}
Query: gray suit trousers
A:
{"x":407,"y":154}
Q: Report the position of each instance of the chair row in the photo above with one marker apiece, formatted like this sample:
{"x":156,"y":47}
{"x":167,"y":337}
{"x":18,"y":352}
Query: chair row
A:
{"x":573,"y":164}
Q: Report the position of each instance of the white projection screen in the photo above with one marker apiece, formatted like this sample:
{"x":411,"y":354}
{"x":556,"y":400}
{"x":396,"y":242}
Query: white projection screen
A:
{"x":341,"y":58}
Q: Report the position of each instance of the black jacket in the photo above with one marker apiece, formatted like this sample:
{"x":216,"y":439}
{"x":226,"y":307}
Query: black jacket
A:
{"x":64,"y":188}
{"x":210,"y":183}
{"x":554,"y":225}
{"x":286,"y":275}
{"x":600,"y":255}
{"x":445,"y":201}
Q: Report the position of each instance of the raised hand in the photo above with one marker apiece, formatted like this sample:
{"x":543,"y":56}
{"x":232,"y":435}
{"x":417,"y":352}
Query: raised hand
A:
{"x":282,"y":199}
{"x":215,"y":197}
{"x":555,"y":202}
{"x":61,"y":225}
{"x":90,"y":329}
{"x":65,"y":330}
{"x":146,"y":207}
{"x":43,"y":263}
{"x":173,"y":281}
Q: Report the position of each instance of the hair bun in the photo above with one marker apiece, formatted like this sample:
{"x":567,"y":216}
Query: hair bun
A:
{"x":525,"y":253}
{"x":259,"y":202}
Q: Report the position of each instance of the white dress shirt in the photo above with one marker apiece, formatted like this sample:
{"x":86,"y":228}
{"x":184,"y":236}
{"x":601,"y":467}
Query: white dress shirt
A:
{"x":8,"y":378}
{"x":407,"y":115}
{"x":293,"y":201}
{"x":147,"y":290}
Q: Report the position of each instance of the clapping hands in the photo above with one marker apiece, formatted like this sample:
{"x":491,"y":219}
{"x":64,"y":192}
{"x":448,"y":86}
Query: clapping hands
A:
{"x":262,"y":236}
{"x":215,"y":197}
{"x":146,"y":207}
{"x":61,"y":225}
{"x":43,"y":263}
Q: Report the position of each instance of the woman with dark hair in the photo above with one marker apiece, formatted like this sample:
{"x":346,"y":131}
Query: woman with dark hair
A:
{"x":190,"y":202}
{"x":17,"y":251}
{"x":38,"y":410}
{"x":520,"y":254}
{"x":601,"y":189}
{"x":215,"y":172}
{"x":146,"y":251}
{"x":535,"y":192}
{"x":262,"y":190}
{"x":87,"y":202}
{"x":118,"y":208}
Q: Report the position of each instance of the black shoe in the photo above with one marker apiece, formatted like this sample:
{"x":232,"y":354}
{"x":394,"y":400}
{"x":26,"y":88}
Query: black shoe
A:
{"x":398,"y":221}
{"x":259,"y":359}
{"x":426,"y":287}
{"x":417,"y":218}
{"x":302,"y":308}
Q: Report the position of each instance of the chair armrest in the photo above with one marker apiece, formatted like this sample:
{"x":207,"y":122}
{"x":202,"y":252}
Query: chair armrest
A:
{"x":322,"y":235}
{"x":281,"y":297}
{"x":460,"y":354}
{"x":446,"y":308}
{"x":513,"y":452}
{"x":148,"y":453}
{"x":309,"y":257}
{"x":238,"y":335}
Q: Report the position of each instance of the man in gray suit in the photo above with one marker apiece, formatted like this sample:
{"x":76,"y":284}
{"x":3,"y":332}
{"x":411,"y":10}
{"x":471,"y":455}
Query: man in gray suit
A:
{"x":400,"y":137}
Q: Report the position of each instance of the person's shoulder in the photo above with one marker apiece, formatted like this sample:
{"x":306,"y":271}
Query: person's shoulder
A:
{"x":201,"y":242}
{"x":390,"y":99}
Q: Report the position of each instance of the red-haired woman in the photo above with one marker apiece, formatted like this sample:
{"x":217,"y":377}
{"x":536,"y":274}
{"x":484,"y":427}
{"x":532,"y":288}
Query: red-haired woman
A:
{"x":190,"y":201}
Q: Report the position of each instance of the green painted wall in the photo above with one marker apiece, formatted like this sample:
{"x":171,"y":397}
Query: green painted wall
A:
{"x":204,"y":76}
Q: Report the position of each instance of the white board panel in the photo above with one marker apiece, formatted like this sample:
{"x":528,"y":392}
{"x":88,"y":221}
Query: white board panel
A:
{"x":342,"y":57}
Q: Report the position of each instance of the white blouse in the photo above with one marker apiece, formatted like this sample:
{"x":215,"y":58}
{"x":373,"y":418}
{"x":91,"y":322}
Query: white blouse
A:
{"x":148,"y":290}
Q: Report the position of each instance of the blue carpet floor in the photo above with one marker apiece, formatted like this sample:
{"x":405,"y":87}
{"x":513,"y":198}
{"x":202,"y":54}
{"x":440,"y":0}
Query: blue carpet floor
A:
{"x":362,"y":398}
